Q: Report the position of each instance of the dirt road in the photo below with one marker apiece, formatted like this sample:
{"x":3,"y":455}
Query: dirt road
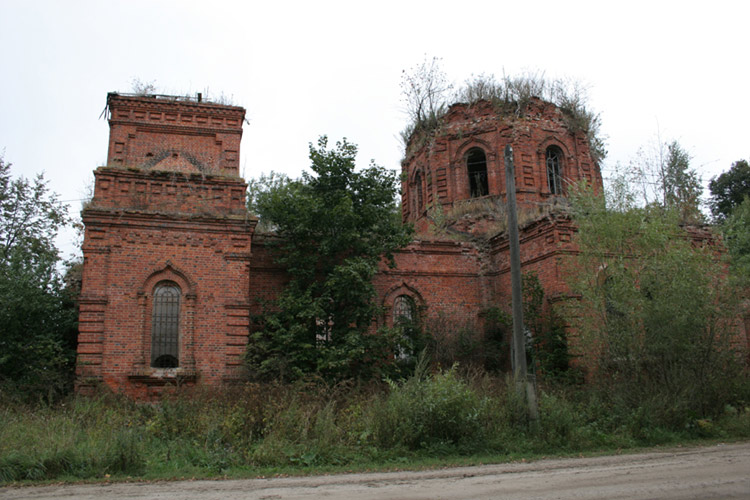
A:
{"x":720,"y":471}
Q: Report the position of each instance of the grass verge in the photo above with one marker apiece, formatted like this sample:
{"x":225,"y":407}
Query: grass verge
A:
{"x":268,"y":430}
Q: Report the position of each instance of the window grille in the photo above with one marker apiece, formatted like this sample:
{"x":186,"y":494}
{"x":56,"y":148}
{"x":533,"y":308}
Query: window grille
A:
{"x":165,"y":326}
{"x":554,"y":174}
{"x":404,"y":316}
{"x":404,"y":309}
{"x":476,"y":165}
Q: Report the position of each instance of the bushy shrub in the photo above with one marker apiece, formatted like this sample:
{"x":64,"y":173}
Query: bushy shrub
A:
{"x":424,"y":412}
{"x":311,"y":424}
{"x":465,"y":344}
{"x":655,"y":316}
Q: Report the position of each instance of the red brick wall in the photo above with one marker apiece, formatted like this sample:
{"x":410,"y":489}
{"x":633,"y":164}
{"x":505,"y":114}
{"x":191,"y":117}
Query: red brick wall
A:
{"x":444,"y":278}
{"x":170,"y":207}
{"x":125,"y":255}
{"x":168,"y":192}
{"x":441,"y":162}
{"x":174,"y":134}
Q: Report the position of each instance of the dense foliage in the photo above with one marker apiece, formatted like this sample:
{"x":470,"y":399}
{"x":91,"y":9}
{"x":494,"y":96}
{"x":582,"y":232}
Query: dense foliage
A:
{"x":730,"y":206}
{"x":310,"y":426}
{"x":656,"y":309}
{"x":335,"y":224}
{"x":548,"y":348}
{"x":37,"y":335}
{"x":736,"y":230}
{"x":681,"y":184}
{"x":729,"y":189}
{"x":660,"y":174}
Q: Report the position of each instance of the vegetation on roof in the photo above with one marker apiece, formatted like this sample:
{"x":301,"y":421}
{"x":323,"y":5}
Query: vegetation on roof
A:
{"x":428,"y":96}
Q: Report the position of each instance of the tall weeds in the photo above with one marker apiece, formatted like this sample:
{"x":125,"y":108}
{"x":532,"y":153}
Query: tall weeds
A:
{"x":260,"y":429}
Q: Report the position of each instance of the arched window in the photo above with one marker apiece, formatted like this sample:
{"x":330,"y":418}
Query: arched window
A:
{"x":476,"y":165}
{"x":404,"y":310}
{"x":405,"y":318}
{"x":420,"y":192}
{"x":165,"y":326}
{"x":554,"y":160}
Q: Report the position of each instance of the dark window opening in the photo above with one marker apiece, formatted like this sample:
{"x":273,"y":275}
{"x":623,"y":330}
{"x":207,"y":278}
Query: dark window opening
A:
{"x":476,"y":165}
{"x":612,"y":304}
{"x":165,"y":361}
{"x":165,"y":322}
{"x":554,"y":170}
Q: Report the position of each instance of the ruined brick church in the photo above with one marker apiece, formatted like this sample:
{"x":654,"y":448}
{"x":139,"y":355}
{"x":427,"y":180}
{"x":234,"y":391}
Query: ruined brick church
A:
{"x":174,"y":269}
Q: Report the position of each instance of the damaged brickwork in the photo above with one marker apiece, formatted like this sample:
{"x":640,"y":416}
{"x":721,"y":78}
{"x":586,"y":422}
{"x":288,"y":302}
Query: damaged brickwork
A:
{"x":168,"y":218}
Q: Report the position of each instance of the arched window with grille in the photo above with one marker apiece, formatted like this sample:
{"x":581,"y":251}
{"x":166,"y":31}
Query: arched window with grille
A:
{"x":476,"y":165}
{"x":554,"y":160}
{"x":165,"y":326}
{"x":405,"y":318}
{"x":404,"y":310}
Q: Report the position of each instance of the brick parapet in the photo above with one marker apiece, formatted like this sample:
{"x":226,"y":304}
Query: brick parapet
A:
{"x":174,"y":133}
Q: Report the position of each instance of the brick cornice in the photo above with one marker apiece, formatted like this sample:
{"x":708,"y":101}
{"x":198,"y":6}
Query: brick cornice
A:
{"x":135,"y":173}
{"x":93,"y":217}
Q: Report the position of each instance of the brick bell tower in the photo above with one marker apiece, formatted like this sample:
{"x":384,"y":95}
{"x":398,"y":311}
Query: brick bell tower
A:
{"x":165,"y":294}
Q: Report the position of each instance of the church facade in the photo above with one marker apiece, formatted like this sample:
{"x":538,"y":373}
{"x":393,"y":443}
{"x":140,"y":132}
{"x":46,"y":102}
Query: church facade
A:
{"x":174,"y":269}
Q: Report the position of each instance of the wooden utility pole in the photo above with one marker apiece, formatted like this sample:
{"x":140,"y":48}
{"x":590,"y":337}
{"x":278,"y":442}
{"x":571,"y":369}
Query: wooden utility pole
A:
{"x":520,"y":371}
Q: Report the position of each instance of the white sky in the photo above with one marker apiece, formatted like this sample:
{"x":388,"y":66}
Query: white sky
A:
{"x":306,"y":68}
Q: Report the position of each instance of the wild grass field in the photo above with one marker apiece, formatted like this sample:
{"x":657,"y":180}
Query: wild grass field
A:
{"x":447,"y":417}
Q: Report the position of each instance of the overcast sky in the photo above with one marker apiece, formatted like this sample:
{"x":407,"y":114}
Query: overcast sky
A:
{"x":302,"y":69}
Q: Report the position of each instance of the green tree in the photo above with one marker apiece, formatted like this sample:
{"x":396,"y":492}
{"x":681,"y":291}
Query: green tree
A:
{"x":736,"y":229}
{"x":548,"y":347}
{"x":655,"y":312}
{"x":259,"y":188}
{"x":335,"y":226}
{"x":34,"y":316}
{"x":681,"y":184}
{"x":662,"y":174}
{"x":729,"y":189}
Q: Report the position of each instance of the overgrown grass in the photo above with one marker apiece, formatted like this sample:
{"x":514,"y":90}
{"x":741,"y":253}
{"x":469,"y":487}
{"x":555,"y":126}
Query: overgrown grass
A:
{"x":253,"y":430}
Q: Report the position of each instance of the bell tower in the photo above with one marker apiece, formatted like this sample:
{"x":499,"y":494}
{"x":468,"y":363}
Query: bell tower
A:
{"x":165,"y":293}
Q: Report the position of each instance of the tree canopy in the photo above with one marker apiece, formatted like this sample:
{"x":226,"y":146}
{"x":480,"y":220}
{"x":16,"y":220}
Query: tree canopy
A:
{"x":681,"y":184}
{"x":730,"y":206}
{"x":655,"y":311}
{"x":729,"y":189}
{"x":736,"y":229}
{"x":34,"y":315}
{"x":661,"y":176}
{"x":335,"y":225}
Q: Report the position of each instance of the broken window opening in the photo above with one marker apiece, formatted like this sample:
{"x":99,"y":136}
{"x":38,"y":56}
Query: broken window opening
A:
{"x":476,"y":165}
{"x":554,"y":170}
